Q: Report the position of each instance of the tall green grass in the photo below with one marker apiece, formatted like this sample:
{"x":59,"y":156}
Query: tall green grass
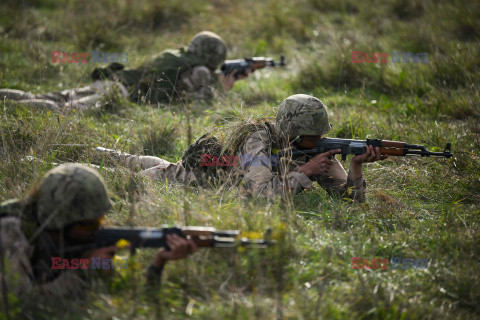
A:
{"x":416,"y":207}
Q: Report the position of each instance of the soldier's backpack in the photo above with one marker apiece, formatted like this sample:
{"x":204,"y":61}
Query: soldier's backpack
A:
{"x":193,"y":157}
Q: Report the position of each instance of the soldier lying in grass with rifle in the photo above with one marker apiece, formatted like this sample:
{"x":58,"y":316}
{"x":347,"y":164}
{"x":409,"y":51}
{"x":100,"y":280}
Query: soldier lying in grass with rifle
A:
{"x":57,"y":228}
{"x":185,"y":73}
{"x":275,"y":159}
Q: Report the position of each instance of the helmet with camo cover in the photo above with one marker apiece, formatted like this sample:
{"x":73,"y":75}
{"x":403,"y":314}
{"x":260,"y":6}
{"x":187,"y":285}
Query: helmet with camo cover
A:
{"x":210,"y":47}
{"x":71,"y":193}
{"x":302,"y":115}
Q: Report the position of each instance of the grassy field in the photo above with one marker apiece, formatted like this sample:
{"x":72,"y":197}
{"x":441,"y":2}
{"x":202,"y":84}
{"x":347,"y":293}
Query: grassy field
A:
{"x":419,"y":208}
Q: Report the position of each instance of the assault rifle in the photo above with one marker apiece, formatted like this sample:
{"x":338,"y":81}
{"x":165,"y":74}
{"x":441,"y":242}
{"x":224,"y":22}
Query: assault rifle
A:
{"x":356,"y":147}
{"x":203,"y":237}
{"x":250,"y":64}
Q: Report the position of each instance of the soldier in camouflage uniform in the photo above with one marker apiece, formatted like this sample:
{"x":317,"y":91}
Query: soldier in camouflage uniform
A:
{"x":64,"y":210}
{"x":300,"y":122}
{"x":187,"y":72}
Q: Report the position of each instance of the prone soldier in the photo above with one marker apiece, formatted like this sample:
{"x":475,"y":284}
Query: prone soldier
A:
{"x":184,"y":73}
{"x":301,"y":121}
{"x":64,"y":210}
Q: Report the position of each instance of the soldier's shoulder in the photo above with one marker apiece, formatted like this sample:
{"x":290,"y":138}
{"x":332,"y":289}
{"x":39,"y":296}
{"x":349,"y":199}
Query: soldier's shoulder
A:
{"x":10,"y":214}
{"x":11,"y":226}
{"x":171,"y":52}
{"x":162,"y":56}
{"x":260,"y":134}
{"x":174,"y":53}
{"x":11,"y":208}
{"x":174,"y":58}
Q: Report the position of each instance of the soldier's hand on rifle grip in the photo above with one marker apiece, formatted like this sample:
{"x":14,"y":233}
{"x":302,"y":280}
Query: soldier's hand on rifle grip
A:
{"x":180,"y":248}
{"x":229,"y":79}
{"x":242,"y":75}
{"x":320,"y":164}
{"x":371,"y":155}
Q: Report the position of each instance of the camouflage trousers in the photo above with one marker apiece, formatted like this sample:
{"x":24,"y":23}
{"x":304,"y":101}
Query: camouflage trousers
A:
{"x":78,"y":98}
{"x":152,"y":167}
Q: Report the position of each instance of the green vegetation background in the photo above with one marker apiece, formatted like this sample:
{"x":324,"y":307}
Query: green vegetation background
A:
{"x":416,"y":207}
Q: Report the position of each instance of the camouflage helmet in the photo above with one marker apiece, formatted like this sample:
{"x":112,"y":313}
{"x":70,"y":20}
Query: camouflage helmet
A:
{"x":302,"y":115}
{"x":210,"y":47}
{"x":71,"y":193}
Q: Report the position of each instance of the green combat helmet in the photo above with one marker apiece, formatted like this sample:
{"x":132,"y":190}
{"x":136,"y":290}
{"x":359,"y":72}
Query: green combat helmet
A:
{"x":71,"y":193}
{"x":210,"y":47}
{"x":302,"y":115}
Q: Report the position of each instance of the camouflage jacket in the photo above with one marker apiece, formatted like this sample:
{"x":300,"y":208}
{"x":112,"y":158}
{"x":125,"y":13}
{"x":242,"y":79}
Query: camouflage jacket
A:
{"x":172,"y":74}
{"x":23,"y":273}
{"x":270,"y":176}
